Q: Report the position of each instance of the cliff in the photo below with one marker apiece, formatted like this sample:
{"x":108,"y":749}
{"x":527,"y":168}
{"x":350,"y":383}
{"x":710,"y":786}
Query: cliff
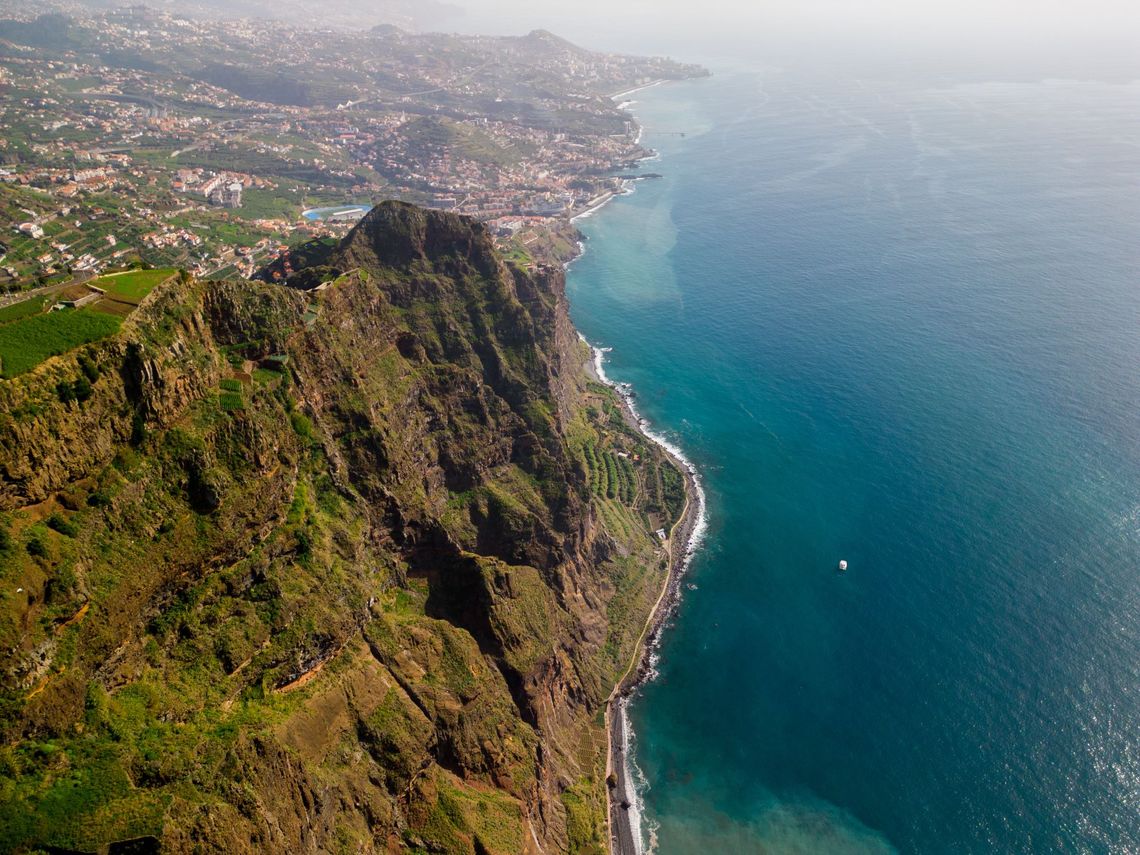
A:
{"x":350,"y":568}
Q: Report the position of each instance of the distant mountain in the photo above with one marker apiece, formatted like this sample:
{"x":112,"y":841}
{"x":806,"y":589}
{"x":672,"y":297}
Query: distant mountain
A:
{"x":545,"y":43}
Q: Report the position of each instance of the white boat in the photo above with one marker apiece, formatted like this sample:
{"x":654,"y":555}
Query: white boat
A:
{"x":843,"y":564}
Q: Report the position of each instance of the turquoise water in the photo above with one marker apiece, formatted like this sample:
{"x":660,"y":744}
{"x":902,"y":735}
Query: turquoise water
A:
{"x":897,"y":324}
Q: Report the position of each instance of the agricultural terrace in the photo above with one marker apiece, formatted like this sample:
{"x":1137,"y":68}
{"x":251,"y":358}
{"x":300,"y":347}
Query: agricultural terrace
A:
{"x":32,"y":332}
{"x":133,"y":285}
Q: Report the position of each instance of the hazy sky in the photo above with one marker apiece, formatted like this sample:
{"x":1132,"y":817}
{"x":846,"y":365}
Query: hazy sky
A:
{"x":1072,"y":30}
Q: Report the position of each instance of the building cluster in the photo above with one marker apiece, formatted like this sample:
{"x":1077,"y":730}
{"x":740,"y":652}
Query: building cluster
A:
{"x":180,"y":120}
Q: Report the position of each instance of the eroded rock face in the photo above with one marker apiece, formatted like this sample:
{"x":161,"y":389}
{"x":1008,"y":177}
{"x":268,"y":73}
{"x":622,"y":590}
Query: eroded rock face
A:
{"x":369,"y":597}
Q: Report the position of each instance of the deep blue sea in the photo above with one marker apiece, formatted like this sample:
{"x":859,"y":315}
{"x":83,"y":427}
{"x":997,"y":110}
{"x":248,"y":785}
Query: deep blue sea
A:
{"x":896,"y":323}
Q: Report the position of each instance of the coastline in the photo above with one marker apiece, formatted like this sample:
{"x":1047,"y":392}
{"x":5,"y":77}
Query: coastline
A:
{"x":596,"y":204}
{"x":623,"y":811}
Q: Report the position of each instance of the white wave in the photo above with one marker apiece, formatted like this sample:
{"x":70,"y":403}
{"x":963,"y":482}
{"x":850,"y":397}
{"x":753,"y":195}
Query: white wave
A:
{"x":581,"y":251}
{"x":652,"y":672}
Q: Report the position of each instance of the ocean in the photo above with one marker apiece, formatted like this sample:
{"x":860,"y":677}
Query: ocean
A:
{"x":896,"y":323}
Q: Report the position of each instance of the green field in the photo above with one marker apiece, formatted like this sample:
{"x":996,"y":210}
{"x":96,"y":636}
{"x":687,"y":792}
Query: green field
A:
{"x":268,"y":205}
{"x":134,"y":285}
{"x":25,"y":309}
{"x":231,"y":401}
{"x":26,"y":343}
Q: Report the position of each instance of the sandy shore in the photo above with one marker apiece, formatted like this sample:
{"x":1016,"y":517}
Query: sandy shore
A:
{"x":624,"y":815}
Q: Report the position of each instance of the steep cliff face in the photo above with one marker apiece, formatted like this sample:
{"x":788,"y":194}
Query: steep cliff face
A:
{"x":348,"y":569}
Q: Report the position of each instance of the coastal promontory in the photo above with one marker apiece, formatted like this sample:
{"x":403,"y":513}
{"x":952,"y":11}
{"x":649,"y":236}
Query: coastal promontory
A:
{"x":348,"y":559}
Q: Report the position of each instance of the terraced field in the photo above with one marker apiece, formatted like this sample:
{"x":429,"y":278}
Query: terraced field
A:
{"x":26,"y":343}
{"x":29,"y":335}
{"x":132,"y":286}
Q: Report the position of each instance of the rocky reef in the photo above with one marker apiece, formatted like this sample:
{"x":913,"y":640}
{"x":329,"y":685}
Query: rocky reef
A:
{"x":346,"y":560}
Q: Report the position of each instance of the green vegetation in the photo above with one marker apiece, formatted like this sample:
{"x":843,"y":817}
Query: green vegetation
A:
{"x":57,"y":522}
{"x":26,"y":343}
{"x":80,"y":390}
{"x":87,"y":365}
{"x":268,"y":205}
{"x":627,"y":479}
{"x":36,"y":546}
{"x":584,"y":803}
{"x":134,"y":285}
{"x":26,"y":309}
{"x":28,"y":336}
{"x":302,"y":425}
{"x":433,"y":133}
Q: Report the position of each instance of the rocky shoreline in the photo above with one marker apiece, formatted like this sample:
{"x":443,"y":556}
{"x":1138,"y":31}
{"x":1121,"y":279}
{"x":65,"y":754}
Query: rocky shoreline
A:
{"x":622,"y":799}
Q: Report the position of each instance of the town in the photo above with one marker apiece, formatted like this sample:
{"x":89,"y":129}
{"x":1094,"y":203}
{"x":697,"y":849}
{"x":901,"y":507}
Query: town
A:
{"x":140,"y":137}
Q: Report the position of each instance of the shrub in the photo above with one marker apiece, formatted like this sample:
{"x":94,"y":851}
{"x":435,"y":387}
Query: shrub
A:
{"x":82,"y":388}
{"x":72,"y":498}
{"x":88,"y":367}
{"x":60,"y":523}
{"x":36,"y":547}
{"x":126,"y":460}
{"x":99,"y":499}
{"x":302,"y":425}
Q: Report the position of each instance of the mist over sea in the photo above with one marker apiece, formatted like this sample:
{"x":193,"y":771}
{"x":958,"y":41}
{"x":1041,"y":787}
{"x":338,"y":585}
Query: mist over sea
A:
{"x":896,"y":323}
